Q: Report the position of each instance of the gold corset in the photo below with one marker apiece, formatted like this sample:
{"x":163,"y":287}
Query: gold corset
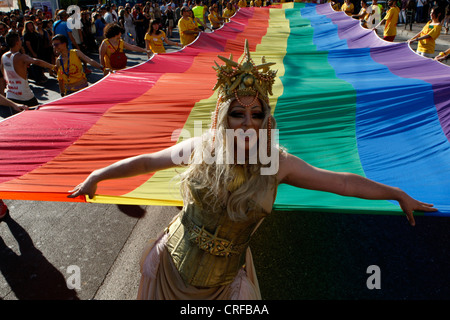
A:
{"x":208,"y":249}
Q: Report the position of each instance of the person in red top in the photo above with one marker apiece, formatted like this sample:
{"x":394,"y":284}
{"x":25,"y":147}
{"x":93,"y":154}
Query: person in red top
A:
{"x":47,"y":14}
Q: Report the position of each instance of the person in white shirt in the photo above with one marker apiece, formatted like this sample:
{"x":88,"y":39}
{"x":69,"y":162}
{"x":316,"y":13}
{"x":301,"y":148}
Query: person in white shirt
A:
{"x":14,"y":66}
{"x":375,"y":14}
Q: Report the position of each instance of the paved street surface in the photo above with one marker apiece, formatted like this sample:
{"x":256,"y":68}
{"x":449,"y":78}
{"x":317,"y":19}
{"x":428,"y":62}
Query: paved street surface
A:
{"x":45,"y":245}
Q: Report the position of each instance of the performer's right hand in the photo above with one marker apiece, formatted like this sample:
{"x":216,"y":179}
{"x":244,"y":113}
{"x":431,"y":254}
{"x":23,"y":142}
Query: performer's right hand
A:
{"x":85,"y":188}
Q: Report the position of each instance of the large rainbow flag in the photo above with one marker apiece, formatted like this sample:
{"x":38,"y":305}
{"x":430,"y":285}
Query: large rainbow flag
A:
{"x":344,"y":100}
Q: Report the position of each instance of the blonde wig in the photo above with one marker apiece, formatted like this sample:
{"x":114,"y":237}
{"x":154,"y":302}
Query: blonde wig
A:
{"x":225,"y":185}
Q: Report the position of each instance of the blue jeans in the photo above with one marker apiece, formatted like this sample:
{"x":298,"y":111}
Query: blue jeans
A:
{"x":419,"y":14}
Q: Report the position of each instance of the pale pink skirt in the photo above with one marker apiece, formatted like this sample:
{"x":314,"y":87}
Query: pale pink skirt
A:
{"x":160,"y":279}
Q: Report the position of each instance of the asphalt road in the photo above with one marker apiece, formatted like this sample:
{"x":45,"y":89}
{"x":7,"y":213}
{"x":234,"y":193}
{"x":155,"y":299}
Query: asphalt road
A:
{"x":59,"y":250}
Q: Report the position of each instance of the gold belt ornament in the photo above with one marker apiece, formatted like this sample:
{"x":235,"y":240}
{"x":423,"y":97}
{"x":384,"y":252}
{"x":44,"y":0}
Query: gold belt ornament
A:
{"x":212,"y":244}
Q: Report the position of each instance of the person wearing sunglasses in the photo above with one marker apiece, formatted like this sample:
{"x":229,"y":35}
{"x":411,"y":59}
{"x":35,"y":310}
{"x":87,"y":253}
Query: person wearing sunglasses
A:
{"x":69,"y":64}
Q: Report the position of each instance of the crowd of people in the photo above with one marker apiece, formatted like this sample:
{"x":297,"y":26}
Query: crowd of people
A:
{"x":435,"y":14}
{"x":36,"y":42}
{"x":146,"y":28}
{"x":204,"y":252}
{"x":419,"y":10}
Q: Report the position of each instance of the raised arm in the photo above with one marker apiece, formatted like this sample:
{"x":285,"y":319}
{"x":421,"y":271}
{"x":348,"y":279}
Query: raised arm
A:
{"x":134,"y":166}
{"x":298,"y":173}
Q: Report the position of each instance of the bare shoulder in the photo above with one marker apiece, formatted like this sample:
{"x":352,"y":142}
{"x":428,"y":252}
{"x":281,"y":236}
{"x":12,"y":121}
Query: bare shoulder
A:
{"x":22,"y":58}
{"x":290,"y":166}
{"x":103,"y":44}
{"x":284,"y":163}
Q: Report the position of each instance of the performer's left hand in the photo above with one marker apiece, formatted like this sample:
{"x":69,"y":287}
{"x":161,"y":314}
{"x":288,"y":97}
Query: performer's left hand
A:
{"x":409,"y":205}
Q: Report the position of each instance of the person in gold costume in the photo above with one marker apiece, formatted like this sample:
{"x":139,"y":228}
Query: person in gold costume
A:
{"x":204,"y":252}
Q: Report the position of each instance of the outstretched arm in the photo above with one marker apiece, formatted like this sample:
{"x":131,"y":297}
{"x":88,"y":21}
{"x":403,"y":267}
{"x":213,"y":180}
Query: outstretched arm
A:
{"x":297,"y":172}
{"x":132,"y":47}
{"x":41,"y":63}
{"x":383,"y":21}
{"x":6,"y":102}
{"x":171,"y":43}
{"x":86,"y":59}
{"x":134,"y":166}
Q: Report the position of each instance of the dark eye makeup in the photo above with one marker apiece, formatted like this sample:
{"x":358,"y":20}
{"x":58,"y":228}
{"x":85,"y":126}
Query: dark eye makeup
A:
{"x":241,"y":114}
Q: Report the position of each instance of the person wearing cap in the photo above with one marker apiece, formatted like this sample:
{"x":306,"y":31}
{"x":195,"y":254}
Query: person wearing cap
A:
{"x":204,"y":252}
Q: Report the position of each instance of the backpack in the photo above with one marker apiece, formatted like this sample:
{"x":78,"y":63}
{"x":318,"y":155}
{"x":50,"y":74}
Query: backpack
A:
{"x":118,"y":59}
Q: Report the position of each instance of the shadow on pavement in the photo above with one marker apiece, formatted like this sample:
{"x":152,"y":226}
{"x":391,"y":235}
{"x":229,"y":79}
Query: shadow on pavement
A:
{"x":132,"y":210}
{"x":29,"y":274}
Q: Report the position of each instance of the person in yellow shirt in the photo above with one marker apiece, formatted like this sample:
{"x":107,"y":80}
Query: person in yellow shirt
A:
{"x":363,"y":14}
{"x":187,"y":27}
{"x":258,"y":3}
{"x":228,"y":12}
{"x":441,"y":57}
{"x":335,"y":5}
{"x":348,"y":7}
{"x":155,"y":38}
{"x":242,"y":3}
{"x":390,"y":21}
{"x":69,"y":66}
{"x":214,"y":18}
{"x":430,"y":32}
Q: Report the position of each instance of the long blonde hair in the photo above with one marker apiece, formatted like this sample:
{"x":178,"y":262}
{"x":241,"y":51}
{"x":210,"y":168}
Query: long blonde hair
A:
{"x":215,"y":178}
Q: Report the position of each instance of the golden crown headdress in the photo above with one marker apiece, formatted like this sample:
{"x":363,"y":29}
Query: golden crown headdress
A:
{"x":245,"y":78}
